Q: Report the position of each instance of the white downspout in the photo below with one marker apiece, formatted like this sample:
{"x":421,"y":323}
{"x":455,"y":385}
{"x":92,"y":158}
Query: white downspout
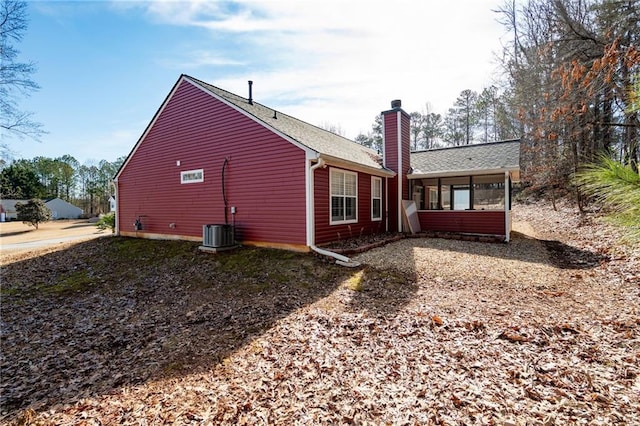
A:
{"x":386,"y":204}
{"x":117,"y":212}
{"x":311,"y":225}
{"x":507,"y":211}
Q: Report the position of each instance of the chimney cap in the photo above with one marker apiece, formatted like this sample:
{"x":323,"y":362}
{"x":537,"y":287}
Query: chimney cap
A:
{"x":396,"y":103}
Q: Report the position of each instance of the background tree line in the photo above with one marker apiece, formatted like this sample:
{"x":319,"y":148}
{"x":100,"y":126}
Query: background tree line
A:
{"x":569,"y":83}
{"x":473,"y":118}
{"x":570,"y":70}
{"x":87,"y":186}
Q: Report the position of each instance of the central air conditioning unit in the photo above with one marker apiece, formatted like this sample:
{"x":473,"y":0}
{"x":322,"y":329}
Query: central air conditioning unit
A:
{"x":217,"y":236}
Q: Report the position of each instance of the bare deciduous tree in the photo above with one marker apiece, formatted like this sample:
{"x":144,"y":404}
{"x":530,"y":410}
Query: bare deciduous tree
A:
{"x":569,"y":67}
{"x":15,"y":77}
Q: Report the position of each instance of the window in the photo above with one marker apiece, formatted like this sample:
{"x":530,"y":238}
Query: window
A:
{"x":192,"y":176}
{"x":344,"y":196}
{"x":376,"y":198}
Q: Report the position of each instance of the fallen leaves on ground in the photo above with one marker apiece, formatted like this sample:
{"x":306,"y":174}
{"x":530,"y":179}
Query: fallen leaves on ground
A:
{"x":436,"y":332}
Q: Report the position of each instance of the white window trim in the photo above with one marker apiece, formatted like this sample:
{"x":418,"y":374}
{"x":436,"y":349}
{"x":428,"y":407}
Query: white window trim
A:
{"x":341,"y":222}
{"x":188,"y":173}
{"x":379,"y":180}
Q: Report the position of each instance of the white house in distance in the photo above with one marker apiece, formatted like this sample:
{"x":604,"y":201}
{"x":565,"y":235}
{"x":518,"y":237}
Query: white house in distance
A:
{"x":60,"y":209}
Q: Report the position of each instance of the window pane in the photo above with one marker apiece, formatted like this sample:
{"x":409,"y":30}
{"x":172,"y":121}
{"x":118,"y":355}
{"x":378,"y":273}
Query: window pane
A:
{"x":350,"y":208}
{"x":377,"y":208}
{"x":337,"y":208}
{"x":350,"y":185}
{"x":337,"y":183}
{"x":376,"y":188}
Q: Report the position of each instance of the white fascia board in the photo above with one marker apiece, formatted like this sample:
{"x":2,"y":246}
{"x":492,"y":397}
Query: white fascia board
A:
{"x":289,"y":139}
{"x":515,"y":173}
{"x":338,"y":162}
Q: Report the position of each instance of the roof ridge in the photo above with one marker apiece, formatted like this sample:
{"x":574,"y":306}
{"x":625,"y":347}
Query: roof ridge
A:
{"x":467,"y":145}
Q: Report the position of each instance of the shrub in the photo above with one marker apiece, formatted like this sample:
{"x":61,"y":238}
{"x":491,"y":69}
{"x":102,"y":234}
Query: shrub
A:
{"x":107,"y":221}
{"x":33,"y":212}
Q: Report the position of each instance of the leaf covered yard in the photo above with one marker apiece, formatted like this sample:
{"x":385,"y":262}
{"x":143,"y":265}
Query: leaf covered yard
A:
{"x":544,"y":330}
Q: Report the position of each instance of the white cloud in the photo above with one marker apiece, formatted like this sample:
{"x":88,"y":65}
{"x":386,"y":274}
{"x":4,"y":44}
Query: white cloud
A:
{"x":342,"y":62}
{"x":200,"y":58}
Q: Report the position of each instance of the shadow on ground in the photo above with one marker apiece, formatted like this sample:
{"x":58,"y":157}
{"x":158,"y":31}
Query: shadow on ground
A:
{"x":521,"y":248}
{"x":564,"y":256}
{"x":113,"y":312}
{"x":10,"y":234}
{"x":83,"y":225}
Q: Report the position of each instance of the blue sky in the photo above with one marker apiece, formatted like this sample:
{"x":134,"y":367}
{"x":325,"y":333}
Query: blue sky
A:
{"x":105,"y":67}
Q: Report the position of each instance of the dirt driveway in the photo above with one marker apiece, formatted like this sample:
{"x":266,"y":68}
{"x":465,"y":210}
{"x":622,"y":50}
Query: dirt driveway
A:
{"x":16,"y":236}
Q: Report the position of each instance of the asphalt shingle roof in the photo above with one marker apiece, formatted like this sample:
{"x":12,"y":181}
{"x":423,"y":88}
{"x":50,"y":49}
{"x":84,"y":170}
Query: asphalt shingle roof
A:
{"x":308,"y":135}
{"x":467,"y":159}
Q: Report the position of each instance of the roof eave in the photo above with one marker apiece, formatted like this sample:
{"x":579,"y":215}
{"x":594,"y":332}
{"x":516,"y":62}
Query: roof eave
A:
{"x":514,"y":171}
{"x":339,"y":162}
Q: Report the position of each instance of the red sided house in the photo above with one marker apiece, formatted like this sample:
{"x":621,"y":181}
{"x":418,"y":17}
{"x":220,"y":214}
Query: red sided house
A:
{"x":212,"y":157}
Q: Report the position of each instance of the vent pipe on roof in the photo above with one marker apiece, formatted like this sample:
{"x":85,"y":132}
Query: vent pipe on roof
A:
{"x":396,"y":103}
{"x":275,"y":114}
{"x":250,"y":92}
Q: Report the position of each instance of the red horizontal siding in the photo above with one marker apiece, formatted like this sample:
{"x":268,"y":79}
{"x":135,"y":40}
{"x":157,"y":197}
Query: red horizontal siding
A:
{"x":325,"y":232}
{"x":265,"y":175}
{"x":472,"y":222}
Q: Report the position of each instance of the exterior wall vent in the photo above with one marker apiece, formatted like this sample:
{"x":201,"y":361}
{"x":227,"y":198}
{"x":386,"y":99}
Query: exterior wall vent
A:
{"x":217,"y":236}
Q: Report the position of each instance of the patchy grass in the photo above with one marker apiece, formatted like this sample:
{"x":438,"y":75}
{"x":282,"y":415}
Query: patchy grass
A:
{"x":356,"y":281}
{"x":75,"y":282}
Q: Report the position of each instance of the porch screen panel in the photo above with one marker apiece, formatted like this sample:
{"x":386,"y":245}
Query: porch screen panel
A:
{"x":488,"y":192}
{"x":431,"y":201}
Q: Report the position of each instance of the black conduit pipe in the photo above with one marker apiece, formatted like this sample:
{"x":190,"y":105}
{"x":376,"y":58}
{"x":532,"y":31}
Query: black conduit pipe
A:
{"x":224,"y":196}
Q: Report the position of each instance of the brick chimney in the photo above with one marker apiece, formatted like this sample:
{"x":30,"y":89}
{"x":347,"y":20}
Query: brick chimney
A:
{"x":395,"y":149}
